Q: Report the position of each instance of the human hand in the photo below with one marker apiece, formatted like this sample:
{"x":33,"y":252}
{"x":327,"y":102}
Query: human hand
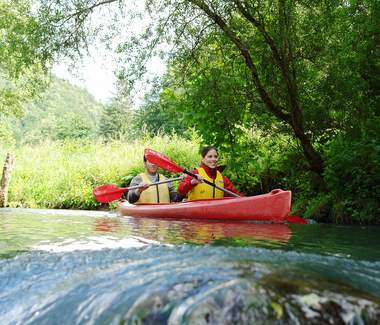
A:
{"x":182,"y":177}
{"x":142,"y":187}
{"x":197,"y":180}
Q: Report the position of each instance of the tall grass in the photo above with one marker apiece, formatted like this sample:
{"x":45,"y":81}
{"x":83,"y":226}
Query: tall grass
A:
{"x":63,"y":174}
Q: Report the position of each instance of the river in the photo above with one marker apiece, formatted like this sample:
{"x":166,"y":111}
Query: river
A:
{"x":87,"y":267}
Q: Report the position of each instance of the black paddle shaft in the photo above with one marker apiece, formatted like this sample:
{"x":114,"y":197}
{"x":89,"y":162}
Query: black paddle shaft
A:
{"x":212,"y":184}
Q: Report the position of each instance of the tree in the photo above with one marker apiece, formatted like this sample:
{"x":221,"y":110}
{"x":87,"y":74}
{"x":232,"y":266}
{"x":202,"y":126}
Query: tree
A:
{"x":72,"y":126}
{"x":295,"y":54}
{"x":160,"y":112}
{"x":23,"y":57}
{"x":115,"y":121}
{"x":43,"y":115}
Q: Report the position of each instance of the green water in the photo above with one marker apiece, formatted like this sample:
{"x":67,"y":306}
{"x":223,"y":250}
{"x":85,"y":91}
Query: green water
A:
{"x":61,"y":230}
{"x":95,"y":267}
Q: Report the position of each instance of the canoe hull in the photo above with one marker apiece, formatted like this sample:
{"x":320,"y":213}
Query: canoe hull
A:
{"x":270,"y":207}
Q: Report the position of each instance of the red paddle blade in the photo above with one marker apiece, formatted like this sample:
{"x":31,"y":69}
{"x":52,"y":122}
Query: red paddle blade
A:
{"x":296,"y":219}
{"x":162,"y":161}
{"x":108,"y":193}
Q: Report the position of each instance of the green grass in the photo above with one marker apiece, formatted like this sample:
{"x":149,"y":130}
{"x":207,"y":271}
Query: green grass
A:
{"x":63,"y":174}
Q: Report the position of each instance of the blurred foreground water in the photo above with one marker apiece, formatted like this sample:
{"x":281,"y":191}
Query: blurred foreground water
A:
{"x":82,"y":267}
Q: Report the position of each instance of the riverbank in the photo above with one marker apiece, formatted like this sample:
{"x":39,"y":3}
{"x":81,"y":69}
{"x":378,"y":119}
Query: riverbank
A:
{"x":62,"y":175}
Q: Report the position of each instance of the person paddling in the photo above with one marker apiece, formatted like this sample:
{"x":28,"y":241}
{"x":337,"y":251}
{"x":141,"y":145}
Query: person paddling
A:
{"x":196,"y":189}
{"x":162,"y":193}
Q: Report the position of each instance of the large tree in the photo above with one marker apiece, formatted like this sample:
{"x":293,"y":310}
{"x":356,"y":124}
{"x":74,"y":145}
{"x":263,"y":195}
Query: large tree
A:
{"x":292,"y":51}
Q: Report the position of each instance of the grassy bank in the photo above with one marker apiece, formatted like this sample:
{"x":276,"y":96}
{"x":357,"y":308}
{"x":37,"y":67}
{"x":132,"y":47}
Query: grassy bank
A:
{"x":63,"y":174}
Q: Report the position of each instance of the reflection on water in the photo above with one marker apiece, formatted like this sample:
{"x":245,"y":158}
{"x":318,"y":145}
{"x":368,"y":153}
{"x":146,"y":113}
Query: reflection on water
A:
{"x":55,"y":231}
{"x":81,"y":267}
{"x":211,"y":232}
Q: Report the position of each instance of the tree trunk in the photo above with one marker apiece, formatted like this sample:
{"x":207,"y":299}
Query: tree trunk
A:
{"x":5,"y":180}
{"x":292,"y":115}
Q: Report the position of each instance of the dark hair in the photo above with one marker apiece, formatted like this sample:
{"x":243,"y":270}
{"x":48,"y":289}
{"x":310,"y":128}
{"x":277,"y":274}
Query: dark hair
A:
{"x":145,"y":159}
{"x":204,"y":151}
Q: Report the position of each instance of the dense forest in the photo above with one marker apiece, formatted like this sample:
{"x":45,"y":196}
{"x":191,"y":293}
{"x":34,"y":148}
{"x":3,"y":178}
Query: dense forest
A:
{"x":288,"y":90}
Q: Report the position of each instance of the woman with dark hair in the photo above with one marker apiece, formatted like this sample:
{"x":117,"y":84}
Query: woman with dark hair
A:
{"x":196,"y":189}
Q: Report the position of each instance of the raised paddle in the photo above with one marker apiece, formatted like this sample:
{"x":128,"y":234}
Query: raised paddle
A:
{"x":164,"y":162}
{"x":110,"y":192}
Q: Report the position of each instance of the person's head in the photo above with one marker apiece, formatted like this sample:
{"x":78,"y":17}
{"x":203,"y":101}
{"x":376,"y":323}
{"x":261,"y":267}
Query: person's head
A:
{"x":209,"y":156}
{"x":149,"y":167}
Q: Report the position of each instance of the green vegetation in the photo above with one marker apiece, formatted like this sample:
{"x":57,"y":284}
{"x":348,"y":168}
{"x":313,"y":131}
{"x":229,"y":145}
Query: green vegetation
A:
{"x":62,"y":111}
{"x":23,"y":56}
{"x":63,"y":174}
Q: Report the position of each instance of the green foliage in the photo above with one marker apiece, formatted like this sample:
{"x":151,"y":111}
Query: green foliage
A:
{"x":340,"y":66}
{"x":21,"y":38}
{"x":160,"y":114}
{"x":61,"y":111}
{"x":6,"y":133}
{"x":353,"y":176}
{"x":115,"y":121}
{"x":63,"y":174}
{"x":23,"y":57}
{"x":72,"y":126}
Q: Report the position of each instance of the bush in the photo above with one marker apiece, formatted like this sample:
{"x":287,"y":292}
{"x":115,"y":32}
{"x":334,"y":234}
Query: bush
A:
{"x":352,"y":175}
{"x":63,"y":174}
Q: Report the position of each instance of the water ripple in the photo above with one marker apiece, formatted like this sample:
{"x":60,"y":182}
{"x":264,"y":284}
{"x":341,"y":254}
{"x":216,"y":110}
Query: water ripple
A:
{"x":182,"y":284}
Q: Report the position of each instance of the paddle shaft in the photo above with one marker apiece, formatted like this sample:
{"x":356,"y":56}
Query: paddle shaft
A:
{"x":126,"y":189}
{"x":212,"y":184}
{"x":155,"y":183}
{"x":164,"y":162}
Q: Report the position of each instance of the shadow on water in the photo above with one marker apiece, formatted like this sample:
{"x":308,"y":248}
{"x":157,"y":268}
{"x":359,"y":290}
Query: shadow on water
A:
{"x":78,"y":267}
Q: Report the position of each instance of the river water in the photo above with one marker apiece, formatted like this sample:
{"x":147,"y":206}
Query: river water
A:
{"x":86,"y":267}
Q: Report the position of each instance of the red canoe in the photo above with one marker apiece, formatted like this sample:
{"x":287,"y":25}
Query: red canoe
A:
{"x":272,"y":207}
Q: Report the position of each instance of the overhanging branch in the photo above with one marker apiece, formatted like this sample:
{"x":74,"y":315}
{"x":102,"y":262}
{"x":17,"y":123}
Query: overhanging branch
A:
{"x":275,"y":110}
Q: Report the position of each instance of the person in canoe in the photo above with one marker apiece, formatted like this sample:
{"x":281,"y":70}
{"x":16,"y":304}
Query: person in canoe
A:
{"x":196,"y":188}
{"x":162,"y":193}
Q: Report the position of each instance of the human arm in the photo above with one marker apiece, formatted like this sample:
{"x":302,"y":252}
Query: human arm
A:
{"x":188,"y":183}
{"x":229,"y":186}
{"x":134,"y":195}
{"x":174,"y":195}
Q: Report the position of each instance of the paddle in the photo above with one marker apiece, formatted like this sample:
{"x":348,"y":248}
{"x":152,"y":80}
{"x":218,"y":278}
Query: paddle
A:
{"x":164,"y":162}
{"x":296,"y":219}
{"x":110,"y":192}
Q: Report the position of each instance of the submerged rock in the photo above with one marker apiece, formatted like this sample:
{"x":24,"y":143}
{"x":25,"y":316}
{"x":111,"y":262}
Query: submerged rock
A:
{"x":241,"y":301}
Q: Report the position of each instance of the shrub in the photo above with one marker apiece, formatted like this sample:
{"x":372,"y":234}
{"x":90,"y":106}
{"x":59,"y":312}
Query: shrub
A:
{"x":62,"y":174}
{"x":352,"y":175}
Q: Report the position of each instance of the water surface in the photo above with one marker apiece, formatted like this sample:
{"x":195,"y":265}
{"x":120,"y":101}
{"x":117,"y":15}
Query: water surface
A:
{"x":76,"y":267}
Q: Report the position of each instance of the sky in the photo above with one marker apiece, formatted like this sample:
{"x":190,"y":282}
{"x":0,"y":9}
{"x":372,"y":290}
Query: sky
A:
{"x":96,"y":74}
{"x":96,"y":71}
